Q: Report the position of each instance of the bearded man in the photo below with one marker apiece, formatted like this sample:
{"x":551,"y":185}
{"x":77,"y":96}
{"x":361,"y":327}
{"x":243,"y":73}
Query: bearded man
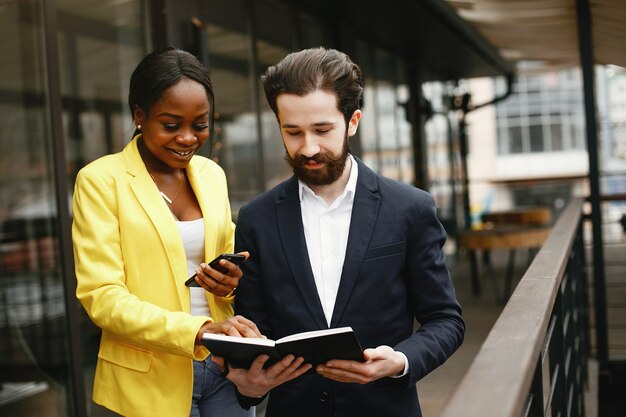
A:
{"x":339,"y":245}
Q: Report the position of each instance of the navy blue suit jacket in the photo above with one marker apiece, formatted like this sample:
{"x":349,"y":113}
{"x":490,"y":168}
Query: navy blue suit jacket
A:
{"x":394,"y":271}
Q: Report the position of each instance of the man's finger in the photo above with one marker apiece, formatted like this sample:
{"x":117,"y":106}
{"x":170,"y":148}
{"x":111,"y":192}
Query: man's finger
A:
{"x":257,"y":364}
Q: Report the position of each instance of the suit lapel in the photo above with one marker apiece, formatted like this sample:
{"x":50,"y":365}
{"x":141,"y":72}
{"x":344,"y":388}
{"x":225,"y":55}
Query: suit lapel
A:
{"x":152,"y":203}
{"x":291,"y":234}
{"x":364,"y":214}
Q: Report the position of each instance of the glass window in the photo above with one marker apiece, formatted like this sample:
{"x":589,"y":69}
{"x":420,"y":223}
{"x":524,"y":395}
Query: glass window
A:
{"x":550,"y":99}
{"x":403,"y":132}
{"x":386,"y":73}
{"x":536,"y":138}
{"x":275,"y":38}
{"x":441,"y":151}
{"x":516,"y":143}
{"x":556,"y":133}
{"x":503,"y":141}
{"x":367,"y":134}
{"x":33,"y":338}
{"x":235,"y":141}
{"x":384,"y":130}
{"x":100,"y":43}
{"x":313,"y":33}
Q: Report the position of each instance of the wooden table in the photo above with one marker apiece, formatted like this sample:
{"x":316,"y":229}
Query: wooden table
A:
{"x":540,"y":215}
{"x":512,"y":230}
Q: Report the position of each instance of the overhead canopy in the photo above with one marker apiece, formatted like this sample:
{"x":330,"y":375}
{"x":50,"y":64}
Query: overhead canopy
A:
{"x":430,"y":32}
{"x":546,"y":30}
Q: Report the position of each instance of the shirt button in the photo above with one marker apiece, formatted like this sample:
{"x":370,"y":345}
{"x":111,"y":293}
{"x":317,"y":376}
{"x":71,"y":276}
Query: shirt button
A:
{"x":323,"y":396}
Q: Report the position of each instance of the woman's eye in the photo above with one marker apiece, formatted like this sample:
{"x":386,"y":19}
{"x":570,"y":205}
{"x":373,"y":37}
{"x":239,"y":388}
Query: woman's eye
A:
{"x":201,"y":126}
{"x":170,"y":127}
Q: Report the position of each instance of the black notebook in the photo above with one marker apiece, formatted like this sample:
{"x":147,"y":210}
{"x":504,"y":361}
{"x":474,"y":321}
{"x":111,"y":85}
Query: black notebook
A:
{"x":316,"y":347}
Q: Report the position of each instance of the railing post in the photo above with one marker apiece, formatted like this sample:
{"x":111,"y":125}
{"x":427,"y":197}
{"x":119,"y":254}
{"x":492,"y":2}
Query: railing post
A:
{"x":579,"y":306}
{"x":534,"y":407}
{"x":556,"y":353}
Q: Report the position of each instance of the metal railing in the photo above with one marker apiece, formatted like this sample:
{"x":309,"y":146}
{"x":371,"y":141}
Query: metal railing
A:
{"x":534,"y":360}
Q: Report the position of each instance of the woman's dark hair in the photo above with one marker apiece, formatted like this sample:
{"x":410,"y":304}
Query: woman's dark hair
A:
{"x":160,"y":70}
{"x":314,"y":69}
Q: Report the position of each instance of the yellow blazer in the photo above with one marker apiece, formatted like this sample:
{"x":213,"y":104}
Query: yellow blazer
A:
{"x":131,"y":268}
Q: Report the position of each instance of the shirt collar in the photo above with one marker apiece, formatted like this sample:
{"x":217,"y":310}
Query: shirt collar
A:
{"x":350,"y":186}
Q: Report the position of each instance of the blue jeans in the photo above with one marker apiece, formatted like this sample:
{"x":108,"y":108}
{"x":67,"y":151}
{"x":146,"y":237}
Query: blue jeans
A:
{"x":213,"y":394}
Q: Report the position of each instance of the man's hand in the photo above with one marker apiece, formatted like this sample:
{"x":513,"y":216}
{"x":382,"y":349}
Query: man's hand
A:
{"x":234,"y":326}
{"x":256,"y":381}
{"x":379,"y":363}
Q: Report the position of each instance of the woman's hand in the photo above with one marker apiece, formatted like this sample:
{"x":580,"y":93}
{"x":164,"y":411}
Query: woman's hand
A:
{"x":235,"y":326}
{"x":219,"y":283}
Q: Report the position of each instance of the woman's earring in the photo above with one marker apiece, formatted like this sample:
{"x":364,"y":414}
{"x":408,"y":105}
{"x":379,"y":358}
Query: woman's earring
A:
{"x":138,"y":127}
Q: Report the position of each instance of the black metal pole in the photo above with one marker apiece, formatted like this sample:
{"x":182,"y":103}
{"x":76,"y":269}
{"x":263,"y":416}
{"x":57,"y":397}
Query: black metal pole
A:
{"x":599,"y":284}
{"x":75,"y":357}
{"x":417,"y":119}
{"x":463,"y":148}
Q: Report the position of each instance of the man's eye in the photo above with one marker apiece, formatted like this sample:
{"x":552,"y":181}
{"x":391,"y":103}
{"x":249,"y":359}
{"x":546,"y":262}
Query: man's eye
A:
{"x":322,"y":131}
{"x":293,"y":133}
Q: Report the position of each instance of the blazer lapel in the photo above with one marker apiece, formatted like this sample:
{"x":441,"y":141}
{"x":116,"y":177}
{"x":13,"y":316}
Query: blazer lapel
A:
{"x":291,"y":234}
{"x":152,"y":203}
{"x":364,"y":214}
{"x":206,"y":199}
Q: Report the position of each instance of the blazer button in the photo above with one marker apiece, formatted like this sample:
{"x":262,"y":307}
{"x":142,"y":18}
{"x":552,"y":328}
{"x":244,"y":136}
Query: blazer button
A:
{"x":324,"y":396}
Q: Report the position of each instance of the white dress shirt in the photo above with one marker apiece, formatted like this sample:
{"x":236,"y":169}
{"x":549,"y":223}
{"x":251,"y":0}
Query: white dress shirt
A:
{"x":326,"y":228}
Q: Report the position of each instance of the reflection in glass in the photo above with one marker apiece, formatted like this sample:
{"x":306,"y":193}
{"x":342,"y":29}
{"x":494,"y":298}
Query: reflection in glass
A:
{"x":442,"y":151}
{"x":33,"y":342}
{"x":235,"y":144}
{"x":100,"y":43}
{"x":275,"y":39}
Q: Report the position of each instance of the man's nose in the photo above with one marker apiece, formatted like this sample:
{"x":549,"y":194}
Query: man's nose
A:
{"x":310,"y":147}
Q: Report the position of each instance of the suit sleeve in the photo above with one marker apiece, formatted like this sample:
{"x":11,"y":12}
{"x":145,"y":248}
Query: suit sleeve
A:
{"x":250,"y":300}
{"x":432,"y":296}
{"x":101,"y":281}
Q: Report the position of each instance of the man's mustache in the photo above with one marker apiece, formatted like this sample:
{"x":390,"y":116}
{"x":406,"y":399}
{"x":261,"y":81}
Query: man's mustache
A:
{"x":320,"y":158}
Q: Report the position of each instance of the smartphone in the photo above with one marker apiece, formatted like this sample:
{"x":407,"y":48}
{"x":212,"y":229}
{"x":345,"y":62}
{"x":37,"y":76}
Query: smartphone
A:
{"x":215,"y":264}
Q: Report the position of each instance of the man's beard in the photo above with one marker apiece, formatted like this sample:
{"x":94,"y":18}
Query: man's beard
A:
{"x":329,"y":173}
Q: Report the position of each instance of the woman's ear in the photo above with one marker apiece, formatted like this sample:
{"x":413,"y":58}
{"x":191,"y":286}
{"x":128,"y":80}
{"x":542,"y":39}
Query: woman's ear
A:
{"x":353,"y":123}
{"x":138,"y":116}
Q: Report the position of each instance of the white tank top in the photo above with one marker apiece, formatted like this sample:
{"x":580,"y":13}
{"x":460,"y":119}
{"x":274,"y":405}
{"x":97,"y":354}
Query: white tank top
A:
{"x":192,"y":233}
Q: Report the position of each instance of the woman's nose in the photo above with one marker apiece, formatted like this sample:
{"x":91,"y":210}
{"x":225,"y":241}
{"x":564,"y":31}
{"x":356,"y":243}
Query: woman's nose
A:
{"x":187,"y":138}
